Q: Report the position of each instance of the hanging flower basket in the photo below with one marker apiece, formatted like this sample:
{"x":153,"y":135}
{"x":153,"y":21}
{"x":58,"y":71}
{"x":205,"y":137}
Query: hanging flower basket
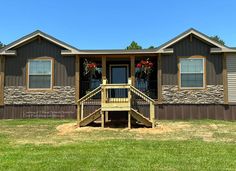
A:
{"x":144,"y":69}
{"x":91,"y":68}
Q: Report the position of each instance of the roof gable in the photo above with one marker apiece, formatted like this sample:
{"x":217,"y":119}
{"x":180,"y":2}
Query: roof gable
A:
{"x":7,"y":49}
{"x":201,"y":36}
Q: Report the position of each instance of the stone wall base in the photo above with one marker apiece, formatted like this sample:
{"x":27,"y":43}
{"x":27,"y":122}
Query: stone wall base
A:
{"x":19,"y":95}
{"x":213,"y":94}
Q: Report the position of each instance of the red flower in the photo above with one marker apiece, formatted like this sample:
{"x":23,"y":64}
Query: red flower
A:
{"x":150,"y":64}
{"x":139,"y":65}
{"x":91,"y":65}
{"x":143,"y":62}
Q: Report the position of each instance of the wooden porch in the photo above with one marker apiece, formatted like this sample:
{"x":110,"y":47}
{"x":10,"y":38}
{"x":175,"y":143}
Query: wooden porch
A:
{"x":111,"y":96}
{"x":109,"y":104}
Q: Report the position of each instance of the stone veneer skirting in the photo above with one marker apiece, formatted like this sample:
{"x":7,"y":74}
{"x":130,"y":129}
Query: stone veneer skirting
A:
{"x":19,"y":95}
{"x":213,"y":94}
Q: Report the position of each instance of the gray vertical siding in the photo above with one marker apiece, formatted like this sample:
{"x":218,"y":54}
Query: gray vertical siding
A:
{"x":64,"y":67}
{"x":184,"y":48}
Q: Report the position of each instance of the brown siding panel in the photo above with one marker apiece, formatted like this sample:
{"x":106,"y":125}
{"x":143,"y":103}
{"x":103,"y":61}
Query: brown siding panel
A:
{"x":16,"y":70}
{"x":169,"y":70}
{"x":162,"y":112}
{"x":195,"y":111}
{"x":185,"y":48}
{"x":37,"y":111}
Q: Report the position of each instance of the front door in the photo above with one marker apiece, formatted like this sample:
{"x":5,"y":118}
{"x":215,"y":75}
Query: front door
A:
{"x":119,"y":75}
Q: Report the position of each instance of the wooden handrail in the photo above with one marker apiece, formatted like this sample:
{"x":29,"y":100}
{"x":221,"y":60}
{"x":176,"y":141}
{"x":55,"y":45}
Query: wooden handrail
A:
{"x":116,"y":86}
{"x":90,"y":94}
{"x":141,"y":94}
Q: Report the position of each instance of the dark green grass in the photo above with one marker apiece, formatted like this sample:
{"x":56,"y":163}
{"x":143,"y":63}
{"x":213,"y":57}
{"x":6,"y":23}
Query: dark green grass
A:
{"x":116,"y":154}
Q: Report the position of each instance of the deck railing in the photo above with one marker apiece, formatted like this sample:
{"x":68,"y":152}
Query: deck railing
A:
{"x":117,"y":97}
{"x":87,"y":99}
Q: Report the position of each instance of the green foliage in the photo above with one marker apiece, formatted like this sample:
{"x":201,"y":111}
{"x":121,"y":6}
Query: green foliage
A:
{"x":133,"y":46}
{"x":1,"y":45}
{"x":217,"y":39}
{"x":152,"y":47}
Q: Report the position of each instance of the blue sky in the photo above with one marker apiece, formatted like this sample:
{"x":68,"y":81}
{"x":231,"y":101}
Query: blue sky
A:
{"x":113,"y":24}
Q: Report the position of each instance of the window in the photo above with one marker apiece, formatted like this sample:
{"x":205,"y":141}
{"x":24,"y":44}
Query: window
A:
{"x":40,"y":74}
{"x":192,"y":72}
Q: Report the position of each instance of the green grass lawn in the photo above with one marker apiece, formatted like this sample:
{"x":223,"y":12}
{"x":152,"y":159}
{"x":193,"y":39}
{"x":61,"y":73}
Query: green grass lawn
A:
{"x":42,"y":145}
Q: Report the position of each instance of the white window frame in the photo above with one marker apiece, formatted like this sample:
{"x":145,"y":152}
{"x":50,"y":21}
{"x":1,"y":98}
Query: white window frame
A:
{"x":28,"y":73}
{"x":203,"y":73}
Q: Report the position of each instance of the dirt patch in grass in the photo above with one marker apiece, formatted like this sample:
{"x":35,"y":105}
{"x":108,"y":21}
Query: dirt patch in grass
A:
{"x":160,"y":129}
{"x":211,"y":132}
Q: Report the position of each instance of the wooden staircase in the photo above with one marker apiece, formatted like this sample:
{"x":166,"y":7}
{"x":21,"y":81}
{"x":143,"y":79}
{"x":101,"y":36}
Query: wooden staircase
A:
{"x":90,"y":118}
{"x":109,"y":103}
{"x":139,"y":117}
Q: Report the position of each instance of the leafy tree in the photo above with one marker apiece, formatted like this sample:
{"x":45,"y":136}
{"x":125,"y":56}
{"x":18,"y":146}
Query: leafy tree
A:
{"x":218,"y":39}
{"x":1,"y":45}
{"x":133,"y":45}
{"x":151,"y":47}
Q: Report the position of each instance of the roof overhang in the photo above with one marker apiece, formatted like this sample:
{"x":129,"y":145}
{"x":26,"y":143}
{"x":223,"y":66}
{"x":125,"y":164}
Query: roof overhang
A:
{"x":224,"y":50}
{"x":8,"y":52}
{"x":120,"y":52}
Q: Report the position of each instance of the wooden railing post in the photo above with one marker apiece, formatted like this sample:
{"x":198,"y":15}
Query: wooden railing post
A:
{"x":129,"y":92}
{"x":129,"y":119}
{"x":152,"y":114}
{"x":103,"y":119}
{"x":132,"y":69}
{"x":78,"y":114}
{"x":82,"y":111}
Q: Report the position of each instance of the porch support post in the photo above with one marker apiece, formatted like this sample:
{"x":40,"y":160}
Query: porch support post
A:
{"x":132,"y":69}
{"x":225,"y":79}
{"x":104,"y":67}
{"x":77,"y":88}
{"x":152,"y":114}
{"x":106,"y":116}
{"x":2,"y":73}
{"x":159,"y":79}
{"x":77,"y":78}
{"x":103,"y":119}
{"x":129,"y":119}
{"x":78,"y":115}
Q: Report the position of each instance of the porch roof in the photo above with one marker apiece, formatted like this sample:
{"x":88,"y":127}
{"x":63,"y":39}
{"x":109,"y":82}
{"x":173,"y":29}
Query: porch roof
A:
{"x":122,"y":51}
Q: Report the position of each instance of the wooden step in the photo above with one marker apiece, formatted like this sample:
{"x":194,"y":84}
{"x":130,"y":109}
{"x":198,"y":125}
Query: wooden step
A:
{"x":91,"y":117}
{"x":139,"y":117}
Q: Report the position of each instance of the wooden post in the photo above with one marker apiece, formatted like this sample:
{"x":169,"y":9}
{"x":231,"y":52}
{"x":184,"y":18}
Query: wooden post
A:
{"x":78,"y":115}
{"x":104,"y":80}
{"x":103,"y":120}
{"x":77,"y":78}
{"x":2,"y":71}
{"x":225,"y":79}
{"x":106,"y":116}
{"x":82,"y":111}
{"x":152,"y":114}
{"x":132,"y":69}
{"x":159,"y":79}
{"x":104,"y":68}
{"x":129,"y":98}
{"x":129,"y":119}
